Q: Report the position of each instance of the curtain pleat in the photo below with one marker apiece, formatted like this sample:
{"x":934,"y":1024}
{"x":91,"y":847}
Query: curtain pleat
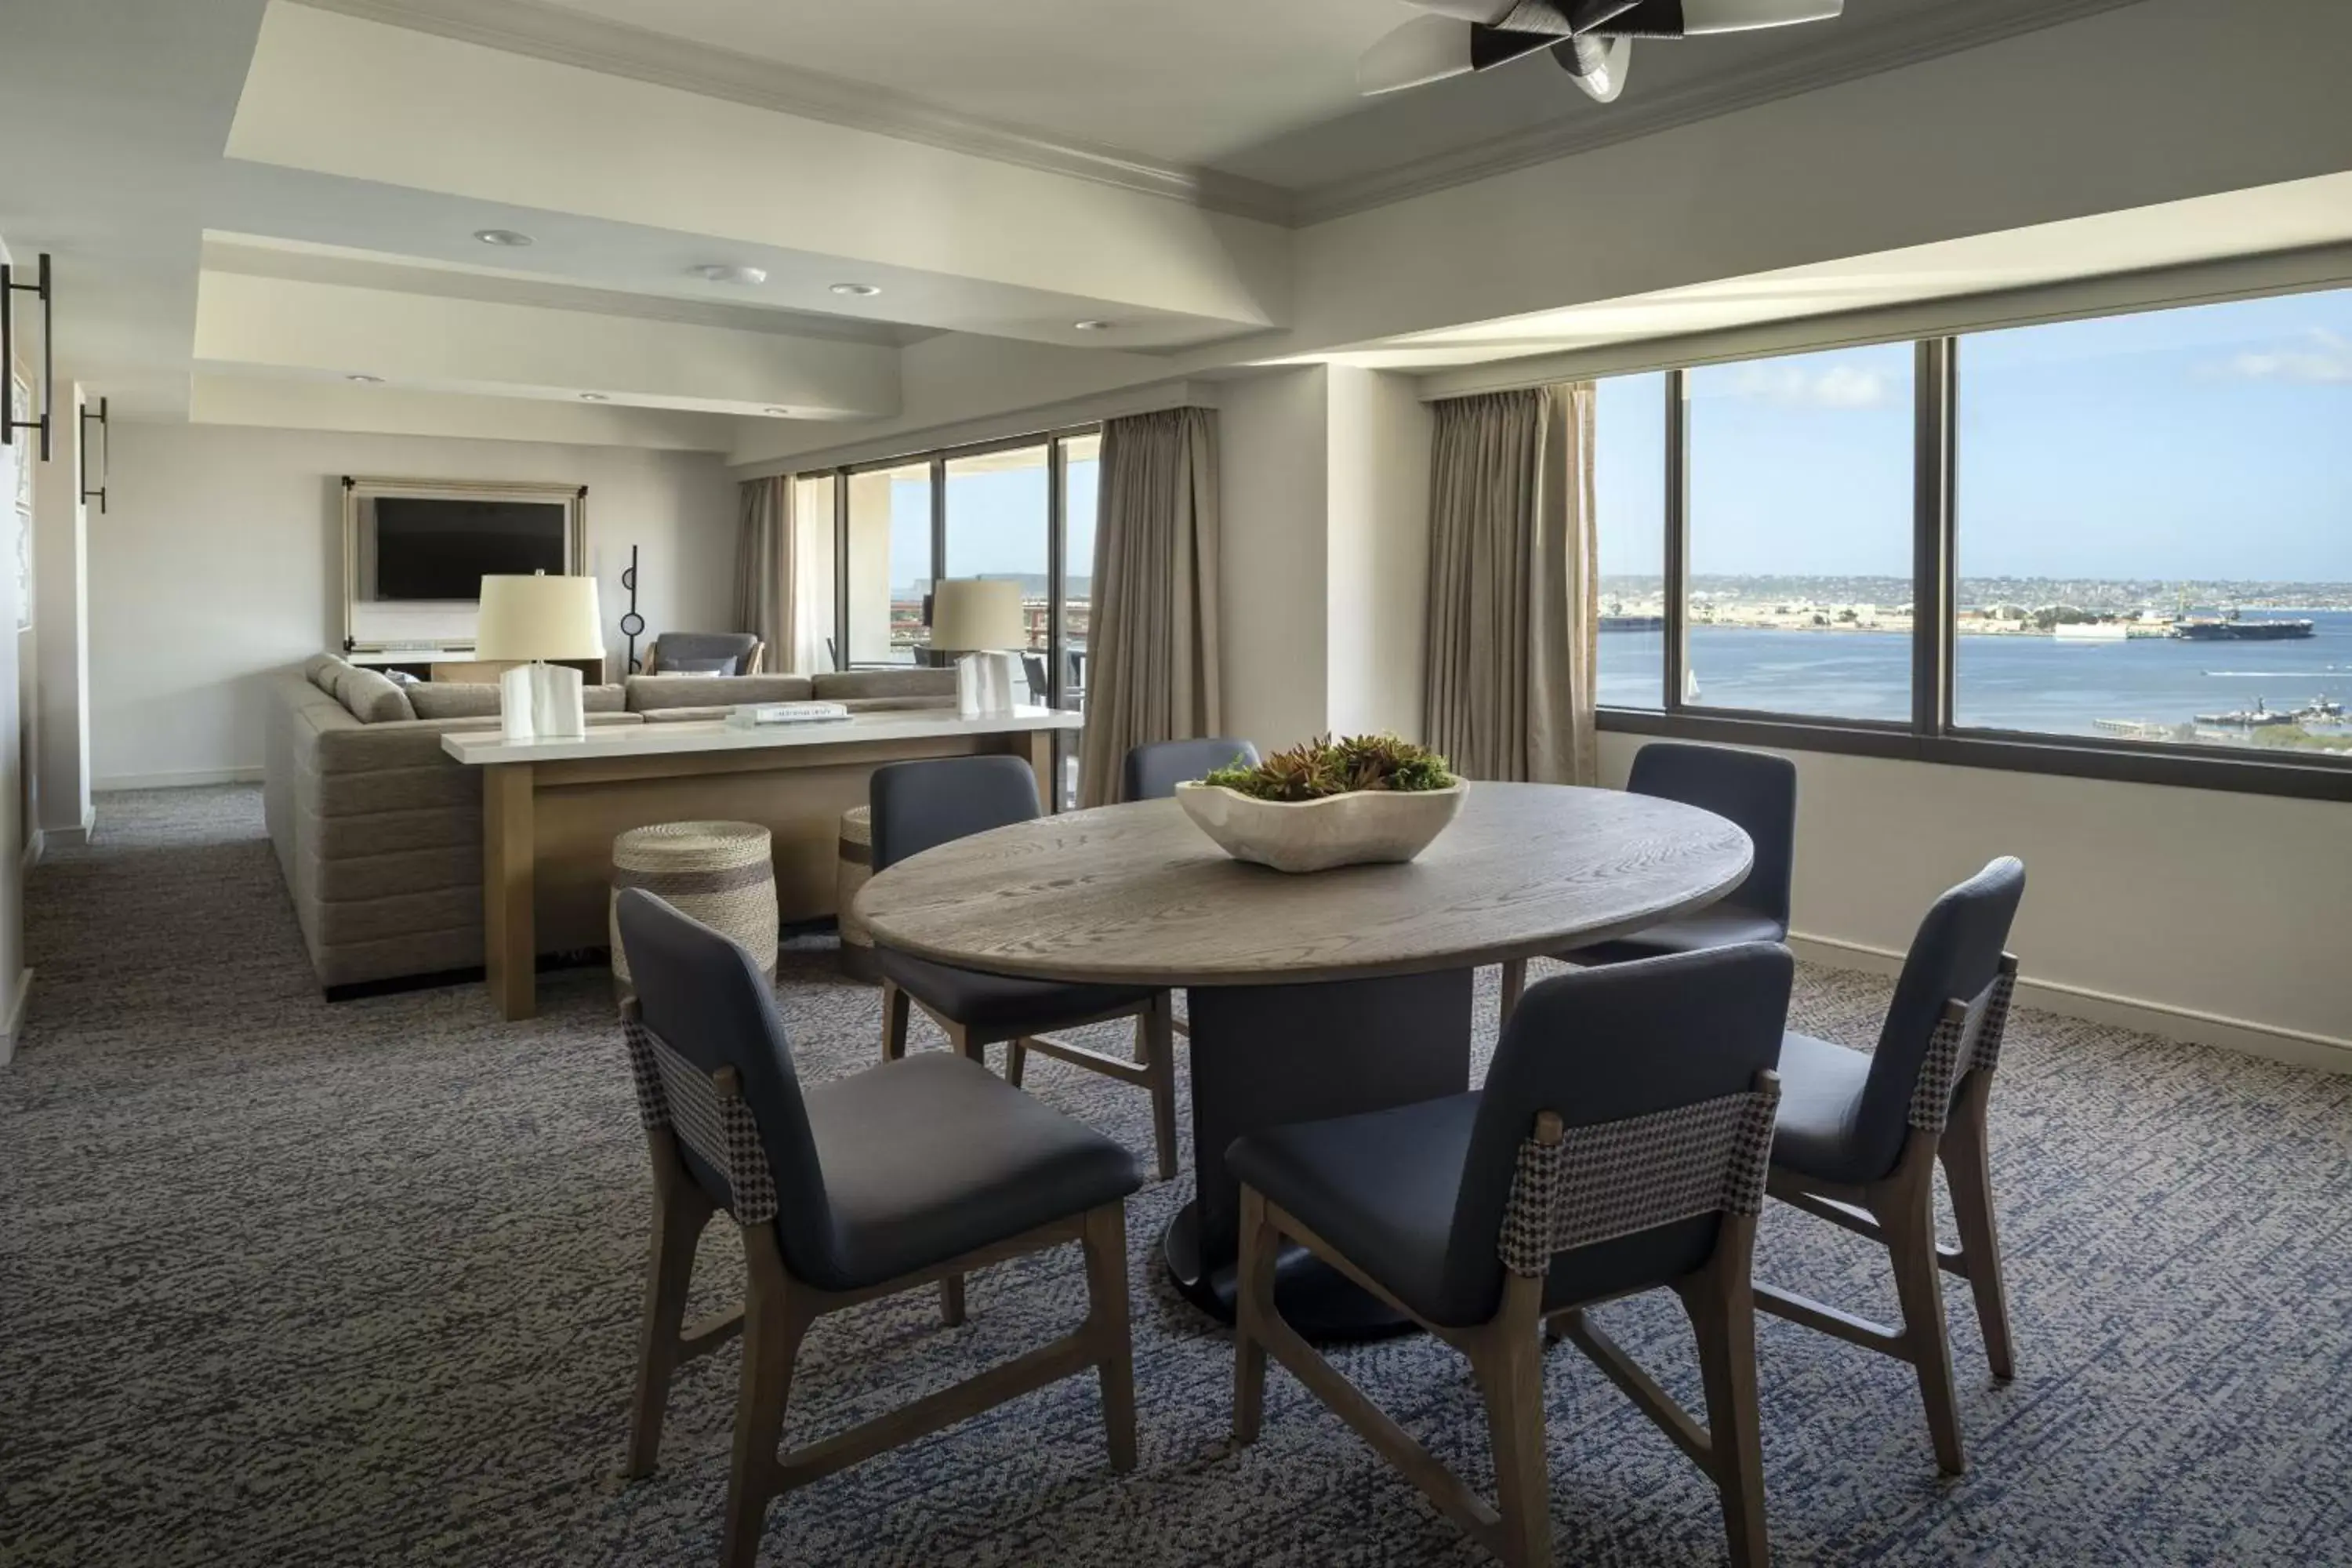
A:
{"x":765,"y":563}
{"x":1513,"y":600}
{"x":1152,"y":655}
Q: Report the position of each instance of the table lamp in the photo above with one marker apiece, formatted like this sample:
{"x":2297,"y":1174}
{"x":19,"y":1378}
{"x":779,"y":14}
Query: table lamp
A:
{"x":980,"y":617}
{"x":974,"y":614}
{"x":537,"y":618}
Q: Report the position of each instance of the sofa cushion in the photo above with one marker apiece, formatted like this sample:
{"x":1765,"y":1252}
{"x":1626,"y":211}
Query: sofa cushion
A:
{"x":843,"y":685}
{"x":319,"y":670}
{"x":649,"y":692}
{"x":479,"y":699}
{"x":372,"y":698}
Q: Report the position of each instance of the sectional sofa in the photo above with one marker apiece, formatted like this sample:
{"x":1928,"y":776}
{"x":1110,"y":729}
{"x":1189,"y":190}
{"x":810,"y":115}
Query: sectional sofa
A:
{"x":379,"y":833}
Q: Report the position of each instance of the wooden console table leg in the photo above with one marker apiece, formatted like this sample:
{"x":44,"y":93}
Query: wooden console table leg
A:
{"x":509,"y":961}
{"x":1037,"y":746}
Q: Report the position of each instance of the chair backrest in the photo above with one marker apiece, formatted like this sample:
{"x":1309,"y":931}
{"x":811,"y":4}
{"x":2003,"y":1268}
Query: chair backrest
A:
{"x":672,"y":649}
{"x":1957,"y":956}
{"x":1755,"y":790}
{"x":1686,"y":1035}
{"x":920,"y":806}
{"x":705,"y":1005}
{"x":1155,"y":769}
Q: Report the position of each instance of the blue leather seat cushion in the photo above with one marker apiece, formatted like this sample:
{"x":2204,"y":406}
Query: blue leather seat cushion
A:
{"x":930,"y":1157}
{"x":1381,"y":1188}
{"x":1002,"y":1001}
{"x":1724,"y":925}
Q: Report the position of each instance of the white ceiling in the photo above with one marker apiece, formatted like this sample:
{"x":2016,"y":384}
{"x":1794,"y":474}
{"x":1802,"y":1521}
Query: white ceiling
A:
{"x":1188,"y":81}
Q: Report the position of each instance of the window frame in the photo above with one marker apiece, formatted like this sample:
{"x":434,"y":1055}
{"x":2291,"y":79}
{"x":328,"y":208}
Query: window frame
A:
{"x":1931,"y":735}
{"x":937,"y":459}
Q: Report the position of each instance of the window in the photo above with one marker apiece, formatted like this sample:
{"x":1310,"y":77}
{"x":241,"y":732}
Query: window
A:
{"x":890,"y":562}
{"x":1000,"y":524}
{"x":1799,"y":598}
{"x":1629,"y":441}
{"x":2153,"y":527}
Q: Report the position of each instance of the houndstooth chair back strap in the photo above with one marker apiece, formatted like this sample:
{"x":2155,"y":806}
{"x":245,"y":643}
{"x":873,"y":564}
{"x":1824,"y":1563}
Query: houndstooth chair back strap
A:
{"x":1966,"y":1039}
{"x":1617,"y":1178}
{"x":713,"y":1122}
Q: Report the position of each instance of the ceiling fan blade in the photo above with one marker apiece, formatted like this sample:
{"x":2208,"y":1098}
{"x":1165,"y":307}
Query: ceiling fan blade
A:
{"x":1431,"y":48}
{"x":1599,"y":64}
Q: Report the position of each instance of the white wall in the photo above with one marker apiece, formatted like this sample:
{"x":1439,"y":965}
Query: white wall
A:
{"x":221,"y":559}
{"x":1325,"y":554}
{"x":2197,"y":914}
{"x":1377,"y":551}
{"x":1274,"y":498}
{"x":16,"y":980}
{"x":60,"y":628}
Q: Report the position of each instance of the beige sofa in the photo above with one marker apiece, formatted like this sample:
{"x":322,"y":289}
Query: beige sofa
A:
{"x":379,"y":833}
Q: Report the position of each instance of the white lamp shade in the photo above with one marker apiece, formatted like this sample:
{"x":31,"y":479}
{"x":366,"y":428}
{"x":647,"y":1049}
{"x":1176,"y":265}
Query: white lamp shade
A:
{"x":539,"y":617}
{"x":968,"y":614}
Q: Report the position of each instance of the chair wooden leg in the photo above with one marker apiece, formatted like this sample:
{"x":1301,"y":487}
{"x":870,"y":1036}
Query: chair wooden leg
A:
{"x":1252,"y":1305}
{"x":1508,"y":1361}
{"x":952,"y":1301}
{"x":1722,"y":1309}
{"x":1106,"y":1325}
{"x":772,"y":1326}
{"x":1968,"y":1173}
{"x":1016,"y":1062}
{"x":1906,"y":1215}
{"x":962,"y":1038}
{"x":1515,"y":983}
{"x":898,"y":1012}
{"x":1156,"y":1047}
{"x":681,"y":1210}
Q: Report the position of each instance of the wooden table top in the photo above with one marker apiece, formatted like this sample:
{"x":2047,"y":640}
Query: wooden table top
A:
{"x":1137,"y":895}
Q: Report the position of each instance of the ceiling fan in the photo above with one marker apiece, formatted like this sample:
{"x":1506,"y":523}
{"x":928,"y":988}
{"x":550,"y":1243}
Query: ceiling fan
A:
{"x":1593,"y":40}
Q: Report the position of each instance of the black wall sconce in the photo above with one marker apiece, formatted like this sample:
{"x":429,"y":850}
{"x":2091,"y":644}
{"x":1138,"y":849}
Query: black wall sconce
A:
{"x":104,"y":454}
{"x":9,"y":289}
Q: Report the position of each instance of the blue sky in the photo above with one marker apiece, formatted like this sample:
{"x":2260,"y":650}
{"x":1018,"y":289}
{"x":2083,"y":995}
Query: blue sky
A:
{"x":2213,"y":442}
{"x":996,"y":524}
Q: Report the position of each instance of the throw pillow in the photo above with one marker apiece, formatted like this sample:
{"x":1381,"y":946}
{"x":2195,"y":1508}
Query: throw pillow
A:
{"x":372,"y":698}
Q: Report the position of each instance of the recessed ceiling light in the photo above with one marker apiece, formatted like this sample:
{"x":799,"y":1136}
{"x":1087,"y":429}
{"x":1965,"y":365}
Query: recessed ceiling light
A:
{"x":857,"y":290}
{"x":365,"y":380}
{"x":510,"y":237}
{"x":723,"y":272}
{"x":593,"y":397}
{"x":1091,"y":326}
{"x":785,"y":412}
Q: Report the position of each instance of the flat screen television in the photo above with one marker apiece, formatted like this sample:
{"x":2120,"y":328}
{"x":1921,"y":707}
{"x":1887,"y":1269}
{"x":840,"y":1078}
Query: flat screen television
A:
{"x":428,"y":548}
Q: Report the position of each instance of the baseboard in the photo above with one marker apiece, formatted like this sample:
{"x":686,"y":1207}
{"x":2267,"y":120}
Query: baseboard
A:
{"x":74,"y":838}
{"x":35,"y":846}
{"x":2295,"y":1046}
{"x":14,"y":1027}
{"x":177,"y":781}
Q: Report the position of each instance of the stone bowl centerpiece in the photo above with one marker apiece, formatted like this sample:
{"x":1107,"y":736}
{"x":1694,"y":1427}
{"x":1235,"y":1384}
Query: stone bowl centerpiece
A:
{"x":1361,"y":801}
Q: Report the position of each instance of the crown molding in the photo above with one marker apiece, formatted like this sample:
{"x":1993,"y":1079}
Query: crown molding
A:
{"x":1948,"y":30}
{"x":550,"y":32}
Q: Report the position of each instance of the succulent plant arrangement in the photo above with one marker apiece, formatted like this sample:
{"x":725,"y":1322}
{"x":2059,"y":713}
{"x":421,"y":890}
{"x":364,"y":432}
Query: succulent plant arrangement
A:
{"x":1323,"y":767}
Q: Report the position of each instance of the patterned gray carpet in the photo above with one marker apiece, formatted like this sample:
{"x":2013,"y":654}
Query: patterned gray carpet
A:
{"x":282,"y":1283}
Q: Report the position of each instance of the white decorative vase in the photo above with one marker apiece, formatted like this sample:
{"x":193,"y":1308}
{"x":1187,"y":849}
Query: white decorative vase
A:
{"x":1365,"y":827}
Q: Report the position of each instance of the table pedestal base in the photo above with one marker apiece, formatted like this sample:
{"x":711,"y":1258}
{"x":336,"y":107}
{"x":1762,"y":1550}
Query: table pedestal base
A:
{"x":1264,"y":1055}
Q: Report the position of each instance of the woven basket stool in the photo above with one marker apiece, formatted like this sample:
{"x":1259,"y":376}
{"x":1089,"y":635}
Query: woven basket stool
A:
{"x":720,"y":873}
{"x":854,"y":870}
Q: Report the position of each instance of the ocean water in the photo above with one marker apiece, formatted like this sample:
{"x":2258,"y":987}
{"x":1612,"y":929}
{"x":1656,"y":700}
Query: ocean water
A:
{"x":2030,"y":683}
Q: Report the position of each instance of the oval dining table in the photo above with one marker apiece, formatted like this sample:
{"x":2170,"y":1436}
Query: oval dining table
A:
{"x":1316,"y":995}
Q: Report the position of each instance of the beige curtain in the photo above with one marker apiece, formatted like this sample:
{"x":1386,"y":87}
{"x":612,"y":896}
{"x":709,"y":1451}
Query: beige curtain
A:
{"x":1513,"y":604}
{"x":766,"y":595}
{"x":1152,"y":650}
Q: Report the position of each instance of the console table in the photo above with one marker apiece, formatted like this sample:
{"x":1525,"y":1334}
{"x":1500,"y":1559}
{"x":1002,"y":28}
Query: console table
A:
{"x":551,"y":808}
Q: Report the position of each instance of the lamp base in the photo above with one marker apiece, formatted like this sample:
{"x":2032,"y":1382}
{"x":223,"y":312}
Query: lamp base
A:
{"x":539,"y":702}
